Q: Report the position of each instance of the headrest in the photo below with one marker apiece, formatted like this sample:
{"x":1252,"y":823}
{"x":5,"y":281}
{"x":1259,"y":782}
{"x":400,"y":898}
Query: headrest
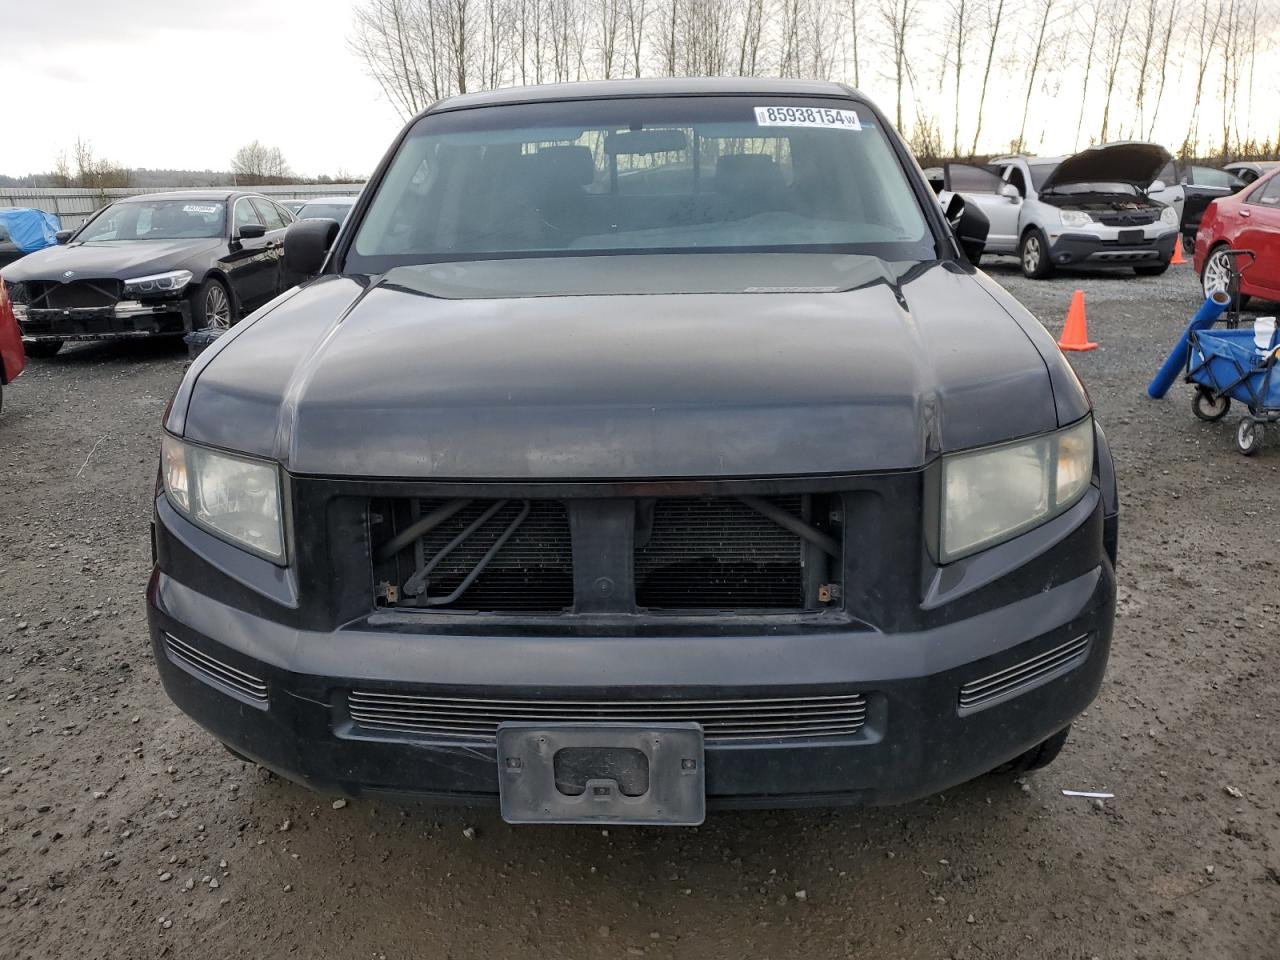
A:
{"x":567,"y":164}
{"x":747,"y":173}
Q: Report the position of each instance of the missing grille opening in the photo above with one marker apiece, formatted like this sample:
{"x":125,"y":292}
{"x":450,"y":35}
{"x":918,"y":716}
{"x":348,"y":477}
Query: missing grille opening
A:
{"x":692,"y":554}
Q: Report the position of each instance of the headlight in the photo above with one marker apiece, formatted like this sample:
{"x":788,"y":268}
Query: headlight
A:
{"x":234,"y":497}
{"x":172,"y":282}
{"x":1075,"y":218}
{"x":1169,"y":217}
{"x":991,"y":495}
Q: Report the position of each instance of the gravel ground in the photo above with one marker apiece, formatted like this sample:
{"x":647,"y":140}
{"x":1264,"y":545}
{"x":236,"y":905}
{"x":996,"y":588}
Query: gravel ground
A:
{"x":125,"y":831}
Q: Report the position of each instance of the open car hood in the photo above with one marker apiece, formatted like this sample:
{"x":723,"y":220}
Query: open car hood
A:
{"x":1128,"y":161}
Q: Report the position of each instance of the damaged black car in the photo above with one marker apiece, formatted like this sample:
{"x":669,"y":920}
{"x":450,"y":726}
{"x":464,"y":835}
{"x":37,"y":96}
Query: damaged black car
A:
{"x":639,"y":448}
{"x":152,"y":265}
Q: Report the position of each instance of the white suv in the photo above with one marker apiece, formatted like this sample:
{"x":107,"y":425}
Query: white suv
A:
{"x":1093,"y":207}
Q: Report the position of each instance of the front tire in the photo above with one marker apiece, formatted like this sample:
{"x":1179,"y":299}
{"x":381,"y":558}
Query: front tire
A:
{"x":1208,"y":409}
{"x":42,"y":349}
{"x":1216,"y":274}
{"x":1041,"y":755}
{"x":211,"y":307}
{"x":1249,"y":436}
{"x":1033,"y":251}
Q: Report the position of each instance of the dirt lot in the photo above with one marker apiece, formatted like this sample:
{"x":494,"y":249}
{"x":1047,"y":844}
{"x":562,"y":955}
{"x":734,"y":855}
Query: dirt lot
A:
{"x":126,"y":832}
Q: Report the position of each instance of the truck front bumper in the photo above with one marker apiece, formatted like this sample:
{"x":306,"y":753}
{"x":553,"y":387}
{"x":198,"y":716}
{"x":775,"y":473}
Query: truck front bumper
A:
{"x":939,"y":706}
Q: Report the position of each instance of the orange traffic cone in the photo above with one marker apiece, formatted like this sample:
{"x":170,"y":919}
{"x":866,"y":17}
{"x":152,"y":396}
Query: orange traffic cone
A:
{"x":1177,"y":259}
{"x":1075,"y":334}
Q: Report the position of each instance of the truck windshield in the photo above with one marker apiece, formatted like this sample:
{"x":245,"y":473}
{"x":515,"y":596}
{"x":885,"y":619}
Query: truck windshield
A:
{"x":156,"y":220}
{"x":633,"y":175}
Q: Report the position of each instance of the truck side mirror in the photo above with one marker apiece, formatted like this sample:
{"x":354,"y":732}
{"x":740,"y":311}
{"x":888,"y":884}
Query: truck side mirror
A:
{"x":306,"y":244}
{"x":970,"y":226}
{"x":1010,"y":192}
{"x":62,"y":236}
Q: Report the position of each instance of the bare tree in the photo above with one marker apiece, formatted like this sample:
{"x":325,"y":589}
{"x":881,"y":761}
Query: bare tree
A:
{"x":994,"y":18}
{"x":1204,"y":29}
{"x":1148,"y":12}
{"x":750,"y":34}
{"x":899,"y":17}
{"x":93,"y":171}
{"x":256,"y":163}
{"x":855,"y":31}
{"x":607,"y":41}
{"x":960,"y":15}
{"x":1117,"y":27}
{"x":635,"y":11}
{"x":388,"y":40}
{"x":1092,"y":17}
{"x":1038,"y":46}
{"x":1172,"y":8}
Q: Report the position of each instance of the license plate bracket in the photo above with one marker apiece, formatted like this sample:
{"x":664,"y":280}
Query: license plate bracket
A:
{"x":1130,"y":236}
{"x":602,"y":773}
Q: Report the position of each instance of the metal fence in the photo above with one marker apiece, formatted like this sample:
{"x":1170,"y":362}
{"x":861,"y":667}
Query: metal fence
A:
{"x":74,"y":204}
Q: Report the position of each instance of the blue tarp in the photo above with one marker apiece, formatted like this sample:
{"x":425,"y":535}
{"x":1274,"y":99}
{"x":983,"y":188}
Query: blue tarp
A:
{"x":29,"y":229}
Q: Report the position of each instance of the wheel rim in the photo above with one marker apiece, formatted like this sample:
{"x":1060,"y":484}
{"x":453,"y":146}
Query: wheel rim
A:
{"x":1217,"y":274}
{"x":217,"y":309}
{"x":1031,"y":254}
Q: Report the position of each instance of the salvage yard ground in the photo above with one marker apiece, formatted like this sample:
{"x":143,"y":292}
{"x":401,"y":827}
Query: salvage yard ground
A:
{"x":126,"y":832}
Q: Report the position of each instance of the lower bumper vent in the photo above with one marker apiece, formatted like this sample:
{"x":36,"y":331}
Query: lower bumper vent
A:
{"x":723,"y":721}
{"x":1022,"y":676}
{"x":215,"y":672}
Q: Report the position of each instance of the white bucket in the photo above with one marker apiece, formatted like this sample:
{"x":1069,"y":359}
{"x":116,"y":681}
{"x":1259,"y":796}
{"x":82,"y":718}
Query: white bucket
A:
{"x":1264,"y":332}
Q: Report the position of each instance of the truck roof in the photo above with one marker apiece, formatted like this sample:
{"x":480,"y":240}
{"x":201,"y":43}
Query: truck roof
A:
{"x":677,"y":87}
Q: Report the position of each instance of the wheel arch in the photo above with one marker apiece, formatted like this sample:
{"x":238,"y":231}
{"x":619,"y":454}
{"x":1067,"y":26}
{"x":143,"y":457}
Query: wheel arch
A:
{"x":216,"y":273}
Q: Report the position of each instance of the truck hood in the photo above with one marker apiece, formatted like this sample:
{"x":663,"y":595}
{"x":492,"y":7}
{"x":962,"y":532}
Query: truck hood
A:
{"x":438,"y":373}
{"x":1128,"y":161}
{"x":120,"y":261}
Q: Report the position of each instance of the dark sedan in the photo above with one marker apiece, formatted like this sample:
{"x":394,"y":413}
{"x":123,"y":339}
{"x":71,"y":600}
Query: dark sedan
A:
{"x":159,"y":264}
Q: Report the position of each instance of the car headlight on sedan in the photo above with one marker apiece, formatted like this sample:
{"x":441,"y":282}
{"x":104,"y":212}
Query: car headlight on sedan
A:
{"x":1075,"y":218}
{"x":175,"y":281}
{"x":1169,"y":217}
{"x":994,"y":494}
{"x":236,"y":498}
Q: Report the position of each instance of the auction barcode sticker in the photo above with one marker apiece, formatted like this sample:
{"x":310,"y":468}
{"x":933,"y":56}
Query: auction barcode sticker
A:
{"x":807,"y":117}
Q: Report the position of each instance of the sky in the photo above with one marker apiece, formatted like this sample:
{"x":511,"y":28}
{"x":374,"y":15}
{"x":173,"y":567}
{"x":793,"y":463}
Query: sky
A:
{"x":184,"y":83}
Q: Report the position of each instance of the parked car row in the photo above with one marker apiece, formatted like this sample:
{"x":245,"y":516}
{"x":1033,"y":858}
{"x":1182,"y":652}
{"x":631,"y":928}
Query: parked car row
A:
{"x":1248,"y":220}
{"x":1094,"y":207}
{"x":1114,"y":203}
{"x":153,"y":265}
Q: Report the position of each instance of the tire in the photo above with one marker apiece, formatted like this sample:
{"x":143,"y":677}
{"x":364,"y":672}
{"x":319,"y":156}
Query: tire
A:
{"x":1249,"y":436}
{"x":42,"y":349}
{"x":1033,"y":252}
{"x":211,"y":306}
{"x":1213,"y":273}
{"x":1041,"y":755}
{"x":237,"y":754}
{"x":1204,"y":406}
{"x":1151,"y":269}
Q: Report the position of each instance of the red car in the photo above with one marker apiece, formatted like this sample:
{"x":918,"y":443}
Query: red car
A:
{"x":1248,"y":220}
{"x":12,"y":357}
